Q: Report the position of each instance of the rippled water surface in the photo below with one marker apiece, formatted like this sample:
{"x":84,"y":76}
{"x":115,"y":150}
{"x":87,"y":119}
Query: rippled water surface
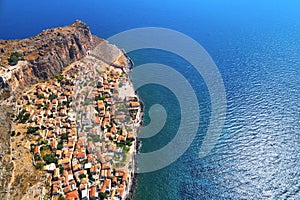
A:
{"x":257,"y":155}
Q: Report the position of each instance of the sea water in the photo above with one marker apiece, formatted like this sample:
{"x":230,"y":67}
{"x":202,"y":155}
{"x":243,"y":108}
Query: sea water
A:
{"x":255,"y":45}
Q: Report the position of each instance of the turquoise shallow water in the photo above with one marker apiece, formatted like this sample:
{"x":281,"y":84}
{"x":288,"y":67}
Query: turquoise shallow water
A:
{"x":255,"y":45}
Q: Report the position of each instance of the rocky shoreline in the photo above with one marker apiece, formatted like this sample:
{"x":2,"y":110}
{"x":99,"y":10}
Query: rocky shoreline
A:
{"x":138,"y":144}
{"x":133,"y":188}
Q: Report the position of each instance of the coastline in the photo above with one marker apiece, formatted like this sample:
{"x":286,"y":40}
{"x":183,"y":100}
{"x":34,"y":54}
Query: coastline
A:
{"x":134,"y":179}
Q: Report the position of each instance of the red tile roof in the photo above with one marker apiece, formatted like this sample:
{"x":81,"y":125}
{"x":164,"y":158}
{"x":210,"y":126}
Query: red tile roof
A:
{"x":72,"y":195}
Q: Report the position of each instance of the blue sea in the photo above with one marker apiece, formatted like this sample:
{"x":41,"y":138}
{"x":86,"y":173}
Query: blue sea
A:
{"x":256,"y":46}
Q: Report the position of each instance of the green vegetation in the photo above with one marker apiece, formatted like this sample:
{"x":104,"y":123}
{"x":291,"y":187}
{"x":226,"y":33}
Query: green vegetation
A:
{"x":128,"y":143}
{"x":60,"y":145}
{"x":37,"y":157}
{"x":82,"y":176}
{"x":50,"y":158}
{"x":77,"y":183}
{"x":59,"y":78}
{"x":40,"y":165}
{"x":14,"y":58}
{"x":103,"y":195}
{"x":126,"y":149}
{"x":46,"y":106}
{"x":23,"y":117}
{"x":43,"y":142}
{"x":31,"y":147}
{"x":64,"y":136}
{"x":66,"y":103}
{"x":41,"y":96}
{"x":61,"y":170}
{"x":52,"y":96}
{"x":120,"y":84}
{"x":59,"y":107}
{"x":61,"y":197}
{"x":125,"y":145}
{"x":91,"y":177}
{"x":32,"y":130}
{"x":45,"y":147}
{"x":99,"y":98}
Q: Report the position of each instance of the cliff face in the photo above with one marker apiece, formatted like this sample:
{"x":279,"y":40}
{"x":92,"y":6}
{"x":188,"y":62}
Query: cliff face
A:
{"x":43,"y":56}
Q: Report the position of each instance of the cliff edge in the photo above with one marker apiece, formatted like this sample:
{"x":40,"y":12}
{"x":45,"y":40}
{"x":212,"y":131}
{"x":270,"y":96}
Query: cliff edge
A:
{"x":43,"y":56}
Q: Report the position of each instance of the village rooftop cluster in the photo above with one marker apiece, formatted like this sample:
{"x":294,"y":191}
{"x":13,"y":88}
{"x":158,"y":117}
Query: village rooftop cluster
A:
{"x":82,"y":132}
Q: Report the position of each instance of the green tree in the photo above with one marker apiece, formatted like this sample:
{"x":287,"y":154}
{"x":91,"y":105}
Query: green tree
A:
{"x":14,"y":58}
{"x":61,"y":170}
{"x":31,"y":130}
{"x":82,"y":176}
{"x":46,"y":106}
{"x":52,"y":96}
{"x":64,"y":136}
{"x":37,"y":157}
{"x":103,"y":195}
{"x":40,"y":165}
{"x":60,"y":145}
{"x":61,"y":197}
{"x":20,"y":115}
{"x":50,"y":158}
{"x":25,"y":118}
{"x":41,"y":96}
{"x":59,"y":78}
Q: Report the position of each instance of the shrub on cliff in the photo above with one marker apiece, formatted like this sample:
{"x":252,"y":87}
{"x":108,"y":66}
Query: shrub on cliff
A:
{"x":14,"y":58}
{"x":59,"y":78}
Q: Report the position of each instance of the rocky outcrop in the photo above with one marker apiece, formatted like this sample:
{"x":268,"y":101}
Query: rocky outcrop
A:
{"x":43,"y":56}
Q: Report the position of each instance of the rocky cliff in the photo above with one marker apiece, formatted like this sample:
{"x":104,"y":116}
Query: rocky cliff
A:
{"x":43,"y":56}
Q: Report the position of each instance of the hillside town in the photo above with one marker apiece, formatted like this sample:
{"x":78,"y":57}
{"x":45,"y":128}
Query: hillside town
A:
{"x":83,"y":131}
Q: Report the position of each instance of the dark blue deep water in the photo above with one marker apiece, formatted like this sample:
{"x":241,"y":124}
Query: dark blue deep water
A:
{"x":256,"y":46}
